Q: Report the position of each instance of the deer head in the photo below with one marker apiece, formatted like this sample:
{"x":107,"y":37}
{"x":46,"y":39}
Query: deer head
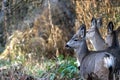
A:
{"x":78,"y":43}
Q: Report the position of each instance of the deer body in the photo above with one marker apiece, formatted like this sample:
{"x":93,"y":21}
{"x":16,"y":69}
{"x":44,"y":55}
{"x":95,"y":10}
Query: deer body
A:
{"x":98,"y":64}
{"x":111,"y":42}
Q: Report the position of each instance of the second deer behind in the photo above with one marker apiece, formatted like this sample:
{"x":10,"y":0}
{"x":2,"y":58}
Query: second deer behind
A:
{"x":97,"y":65}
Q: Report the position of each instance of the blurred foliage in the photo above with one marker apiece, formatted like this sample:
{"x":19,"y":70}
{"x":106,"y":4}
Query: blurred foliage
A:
{"x":59,"y":69}
{"x":39,"y":29}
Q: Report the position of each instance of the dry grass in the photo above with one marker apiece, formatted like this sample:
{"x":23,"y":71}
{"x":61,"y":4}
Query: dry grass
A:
{"x":87,"y":9}
{"x":44,"y":31}
{"x":47,"y":32}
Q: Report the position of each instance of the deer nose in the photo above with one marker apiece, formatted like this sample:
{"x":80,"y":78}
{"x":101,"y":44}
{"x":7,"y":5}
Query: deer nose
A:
{"x":67,"y":46}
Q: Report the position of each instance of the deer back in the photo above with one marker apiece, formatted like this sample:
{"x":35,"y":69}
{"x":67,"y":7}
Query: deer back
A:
{"x":97,"y":63}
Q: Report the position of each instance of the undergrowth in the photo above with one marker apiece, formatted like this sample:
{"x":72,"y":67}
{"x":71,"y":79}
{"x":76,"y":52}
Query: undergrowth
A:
{"x":59,"y":69}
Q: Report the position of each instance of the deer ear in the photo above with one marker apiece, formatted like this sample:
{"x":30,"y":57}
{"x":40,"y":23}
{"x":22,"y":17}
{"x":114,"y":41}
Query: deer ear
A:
{"x":110,"y":27}
{"x":93,"y":22}
{"x":82,"y":31}
{"x":99,"y":22}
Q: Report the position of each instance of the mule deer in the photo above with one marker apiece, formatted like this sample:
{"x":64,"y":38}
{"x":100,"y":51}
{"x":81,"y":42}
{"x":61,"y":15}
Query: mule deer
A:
{"x":94,"y":35}
{"x":99,"y":64}
{"x":112,"y":40}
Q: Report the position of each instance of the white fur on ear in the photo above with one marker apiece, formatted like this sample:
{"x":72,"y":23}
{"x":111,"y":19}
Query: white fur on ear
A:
{"x":82,"y":31}
{"x":99,"y":22}
{"x":110,"y":27}
{"x":94,"y":22}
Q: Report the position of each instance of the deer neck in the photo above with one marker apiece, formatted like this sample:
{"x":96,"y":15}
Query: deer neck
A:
{"x":82,"y":51}
{"x":96,"y":40}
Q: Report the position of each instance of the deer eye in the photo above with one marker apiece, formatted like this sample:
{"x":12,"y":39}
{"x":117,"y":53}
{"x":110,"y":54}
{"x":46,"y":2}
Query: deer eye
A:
{"x":76,"y":39}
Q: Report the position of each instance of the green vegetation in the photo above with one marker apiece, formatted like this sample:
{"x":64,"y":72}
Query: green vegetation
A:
{"x":59,"y":69}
